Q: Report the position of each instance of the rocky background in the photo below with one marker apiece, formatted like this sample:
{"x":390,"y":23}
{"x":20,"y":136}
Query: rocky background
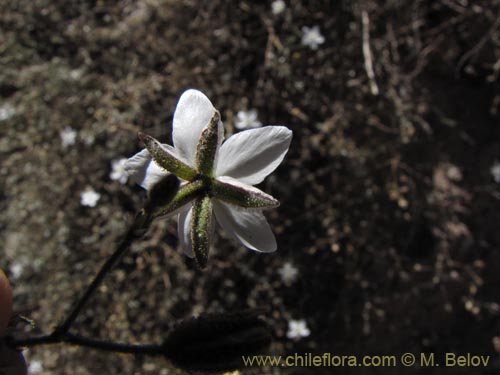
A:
{"x":389,"y":216}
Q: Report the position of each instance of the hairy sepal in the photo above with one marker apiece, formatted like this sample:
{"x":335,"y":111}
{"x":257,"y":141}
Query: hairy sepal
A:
{"x":201,"y":229}
{"x":207,"y":146}
{"x":166,"y":160}
{"x":242,"y":195}
{"x":185,"y":194}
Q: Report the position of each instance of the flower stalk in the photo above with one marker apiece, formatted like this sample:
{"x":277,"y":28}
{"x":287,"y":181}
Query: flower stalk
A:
{"x":208,"y":343}
{"x":137,"y":229}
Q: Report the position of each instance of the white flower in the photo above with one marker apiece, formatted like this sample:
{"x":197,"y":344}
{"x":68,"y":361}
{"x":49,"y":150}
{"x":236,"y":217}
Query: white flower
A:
{"x":68,"y":136}
{"x":495,"y":171}
{"x":297,"y":329}
{"x":119,"y":171}
{"x":76,"y":74}
{"x":312,"y":37}
{"x":288,"y":273}
{"x":16,"y":270}
{"x":278,"y":6}
{"x":89,"y":197}
{"x":454,"y":173}
{"x":35,"y":367}
{"x":7,"y":111}
{"x":217,"y":177}
{"x":247,"y":120}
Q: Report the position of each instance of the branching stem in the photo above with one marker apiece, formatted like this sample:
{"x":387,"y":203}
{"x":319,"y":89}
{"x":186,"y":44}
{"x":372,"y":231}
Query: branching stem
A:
{"x":54,"y":338}
{"x":62,"y":334}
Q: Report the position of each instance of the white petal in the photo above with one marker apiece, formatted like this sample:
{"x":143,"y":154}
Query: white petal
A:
{"x":153,"y":174}
{"x":251,"y":155}
{"x":249,"y":227}
{"x":136,"y":165}
{"x":143,"y":170}
{"x":193,"y":112}
{"x":184,"y":231}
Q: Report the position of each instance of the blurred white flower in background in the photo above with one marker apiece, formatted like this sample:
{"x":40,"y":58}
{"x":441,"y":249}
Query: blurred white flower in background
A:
{"x":312,"y":37}
{"x":76,"y":74}
{"x":89,"y":197}
{"x":288,"y":273}
{"x":495,"y":171}
{"x":247,"y":120}
{"x":278,"y":6}
{"x":118,"y":170}
{"x":16,"y":270}
{"x":7,"y":111}
{"x":68,"y":136}
{"x":454,"y":173}
{"x":35,"y":367}
{"x":297,"y":329}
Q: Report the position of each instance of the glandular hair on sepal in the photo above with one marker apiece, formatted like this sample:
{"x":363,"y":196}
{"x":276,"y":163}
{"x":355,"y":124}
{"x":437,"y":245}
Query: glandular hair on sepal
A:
{"x":201,"y":229}
{"x":208,"y":143}
{"x":246,"y":197}
{"x":184,"y":195}
{"x":165,"y":159}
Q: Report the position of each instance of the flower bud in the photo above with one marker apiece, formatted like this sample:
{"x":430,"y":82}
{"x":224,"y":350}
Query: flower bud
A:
{"x":217,"y":342}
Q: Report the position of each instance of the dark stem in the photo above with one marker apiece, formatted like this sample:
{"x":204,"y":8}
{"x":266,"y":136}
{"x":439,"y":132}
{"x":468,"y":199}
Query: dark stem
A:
{"x":15,"y":343}
{"x":136,"y":230}
{"x":149,"y":349}
{"x":62,"y":335}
